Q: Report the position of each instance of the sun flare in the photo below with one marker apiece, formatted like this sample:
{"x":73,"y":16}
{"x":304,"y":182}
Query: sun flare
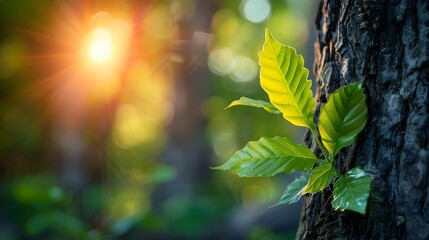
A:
{"x":100,"y":45}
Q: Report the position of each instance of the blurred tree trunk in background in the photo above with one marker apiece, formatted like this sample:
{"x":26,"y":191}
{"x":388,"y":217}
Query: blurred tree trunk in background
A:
{"x":187,"y":149}
{"x":386,"y":44}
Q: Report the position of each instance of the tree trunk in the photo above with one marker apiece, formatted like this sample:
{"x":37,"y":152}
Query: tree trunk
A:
{"x":386,"y":44}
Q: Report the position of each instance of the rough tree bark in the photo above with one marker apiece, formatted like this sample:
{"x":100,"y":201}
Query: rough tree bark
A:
{"x":386,"y":44}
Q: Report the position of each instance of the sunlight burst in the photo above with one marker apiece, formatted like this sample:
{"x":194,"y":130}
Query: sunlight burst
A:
{"x":100,"y":47}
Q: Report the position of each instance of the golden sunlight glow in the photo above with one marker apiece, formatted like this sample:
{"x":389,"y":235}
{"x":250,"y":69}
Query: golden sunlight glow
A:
{"x":100,"y":46}
{"x":105,"y":52}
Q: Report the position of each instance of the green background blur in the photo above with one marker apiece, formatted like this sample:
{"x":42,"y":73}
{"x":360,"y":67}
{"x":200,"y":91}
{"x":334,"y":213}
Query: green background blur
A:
{"x":130,"y":159}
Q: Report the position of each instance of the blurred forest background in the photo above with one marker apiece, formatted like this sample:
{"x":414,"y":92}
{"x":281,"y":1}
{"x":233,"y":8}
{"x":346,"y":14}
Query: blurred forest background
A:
{"x":122,"y":149}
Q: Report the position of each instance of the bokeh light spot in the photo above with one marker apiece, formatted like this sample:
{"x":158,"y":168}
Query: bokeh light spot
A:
{"x":225,"y":24}
{"x":244,"y":69}
{"x":255,"y":10}
{"x":133,"y":127}
{"x":294,"y":24}
{"x":158,"y":23}
{"x":220,"y":61}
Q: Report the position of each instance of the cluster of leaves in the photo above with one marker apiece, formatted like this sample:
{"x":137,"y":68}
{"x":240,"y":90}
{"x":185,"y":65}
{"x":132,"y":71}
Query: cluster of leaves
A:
{"x":284,"y":78}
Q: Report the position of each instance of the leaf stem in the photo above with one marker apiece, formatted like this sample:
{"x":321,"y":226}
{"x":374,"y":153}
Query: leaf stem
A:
{"x":315,"y":136}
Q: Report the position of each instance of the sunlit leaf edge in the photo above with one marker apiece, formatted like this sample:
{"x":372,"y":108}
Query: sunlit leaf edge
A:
{"x":284,"y":78}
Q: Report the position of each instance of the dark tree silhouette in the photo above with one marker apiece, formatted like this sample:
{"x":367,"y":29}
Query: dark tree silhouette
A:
{"x":386,"y":44}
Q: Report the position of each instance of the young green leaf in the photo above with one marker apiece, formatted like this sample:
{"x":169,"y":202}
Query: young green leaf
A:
{"x":284,"y":78}
{"x":351,"y":191}
{"x":292,"y":194}
{"x":244,"y":101}
{"x":343,"y":117}
{"x":320,"y":178}
{"x":268,"y":157}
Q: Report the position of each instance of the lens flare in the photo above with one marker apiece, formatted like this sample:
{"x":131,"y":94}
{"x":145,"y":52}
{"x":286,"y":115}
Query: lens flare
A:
{"x":100,"y":45}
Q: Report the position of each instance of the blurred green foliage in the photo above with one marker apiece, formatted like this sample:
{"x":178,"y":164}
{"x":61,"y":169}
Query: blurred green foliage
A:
{"x":122,"y":131}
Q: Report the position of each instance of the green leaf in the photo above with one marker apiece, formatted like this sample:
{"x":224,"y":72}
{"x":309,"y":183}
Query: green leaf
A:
{"x":284,"y":78}
{"x":343,"y":117}
{"x":351,"y":191}
{"x":292,"y":194}
{"x":268,"y":157}
{"x":320,"y":178}
{"x":244,"y":101}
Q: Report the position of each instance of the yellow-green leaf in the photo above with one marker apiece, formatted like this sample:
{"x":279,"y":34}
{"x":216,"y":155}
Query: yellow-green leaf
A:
{"x":320,"y":177}
{"x":351,"y":191}
{"x":245,"y":101}
{"x":268,"y":157}
{"x":343,"y":117}
{"x":284,"y":78}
